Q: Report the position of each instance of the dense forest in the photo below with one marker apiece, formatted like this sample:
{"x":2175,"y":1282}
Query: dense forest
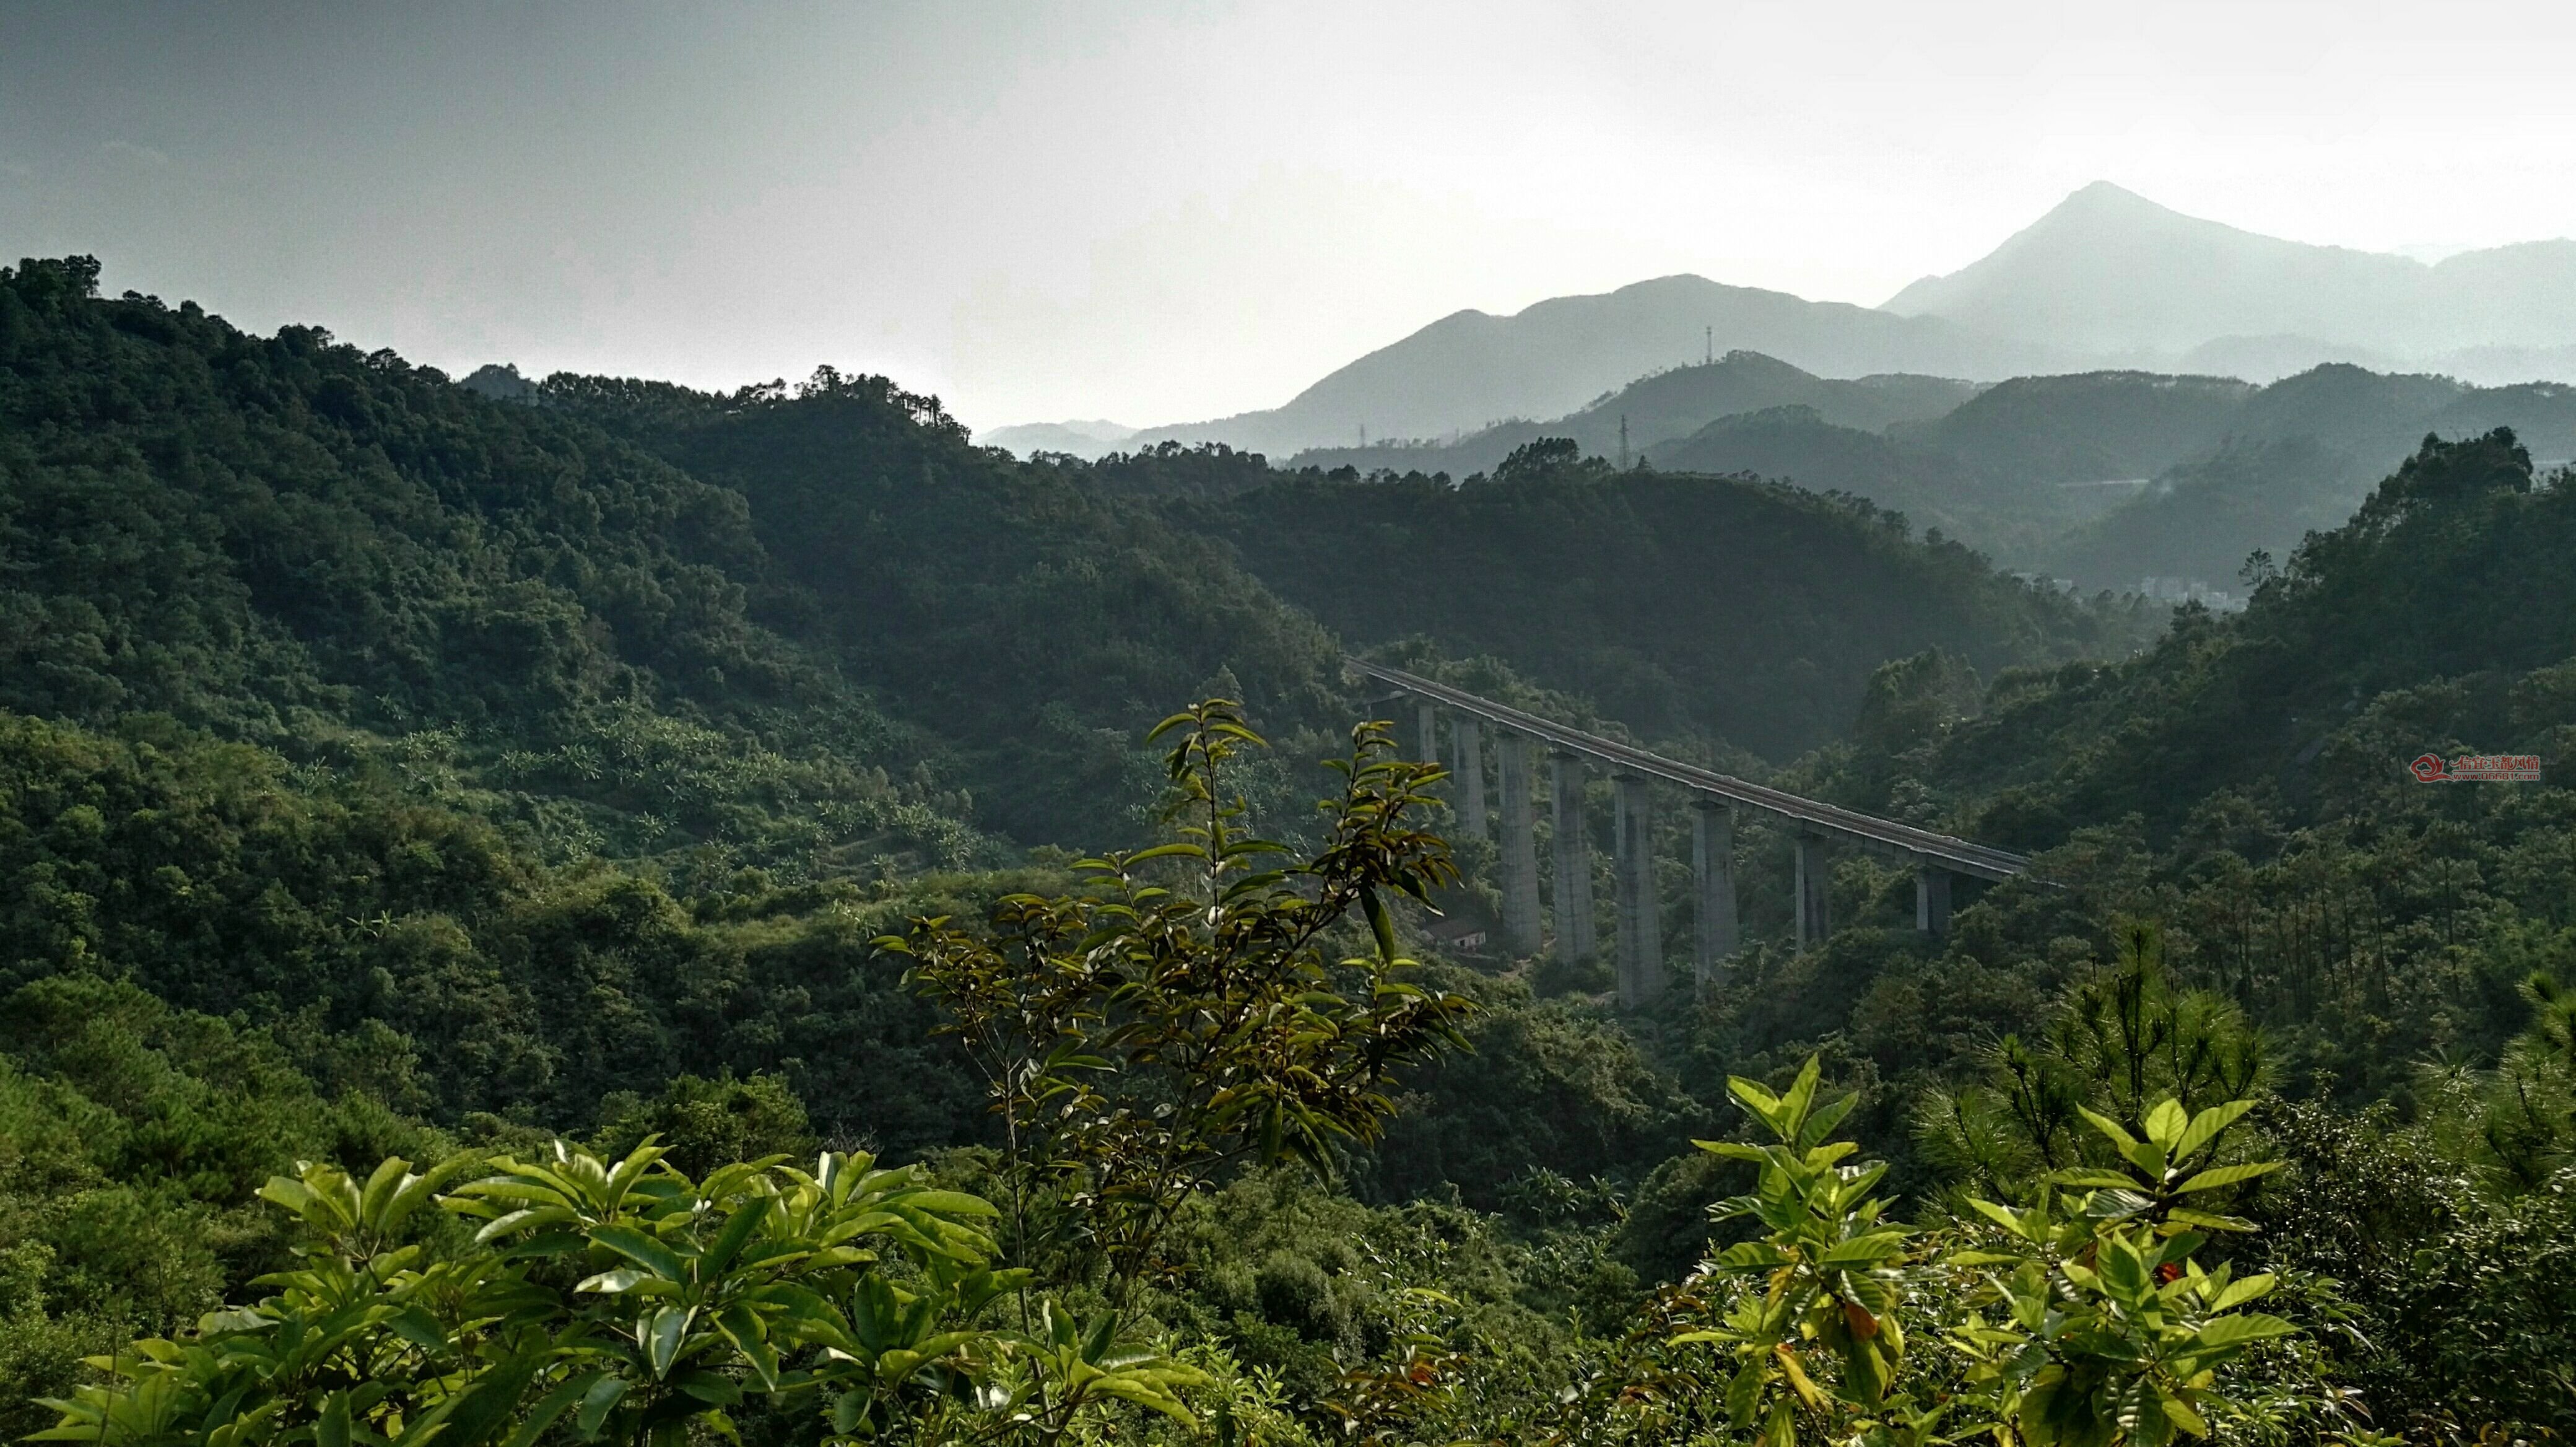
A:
{"x":631,"y":912}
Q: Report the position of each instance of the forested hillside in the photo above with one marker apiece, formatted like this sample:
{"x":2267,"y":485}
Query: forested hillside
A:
{"x":511,"y":786}
{"x":1036,"y":623}
{"x":356,"y":563}
{"x":1681,"y":604}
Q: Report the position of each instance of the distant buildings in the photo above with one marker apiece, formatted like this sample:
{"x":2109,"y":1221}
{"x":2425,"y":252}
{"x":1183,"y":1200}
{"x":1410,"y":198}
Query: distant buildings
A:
{"x":2190,"y":590}
{"x":2054,"y":585}
{"x":2162,"y":590}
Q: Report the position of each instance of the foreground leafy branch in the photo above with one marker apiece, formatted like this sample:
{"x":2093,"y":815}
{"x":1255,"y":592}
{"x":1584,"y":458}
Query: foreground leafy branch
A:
{"x":1185,"y":1010}
{"x":623,"y":1302}
{"x":2083,"y":1318}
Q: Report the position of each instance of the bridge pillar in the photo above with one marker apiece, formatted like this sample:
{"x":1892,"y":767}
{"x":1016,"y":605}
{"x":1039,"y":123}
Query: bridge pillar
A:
{"x":1520,"y":847}
{"x":1713,"y":895}
{"x":1574,"y":941}
{"x":1932,"y":900}
{"x":1641,"y":926}
{"x":1811,"y":890}
{"x":1468,"y":733}
{"x":1427,"y":715}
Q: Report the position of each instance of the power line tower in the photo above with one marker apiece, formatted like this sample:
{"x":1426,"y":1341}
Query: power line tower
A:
{"x":1708,"y":355}
{"x":1623,"y":442}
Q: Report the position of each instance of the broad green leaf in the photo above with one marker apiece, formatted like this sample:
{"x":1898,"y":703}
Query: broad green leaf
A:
{"x":2166,"y":1122}
{"x":2243,"y":1327}
{"x":2240,"y":1292}
{"x":493,"y":1401}
{"x":1799,"y":1381}
{"x":2206,"y":1126}
{"x":2147,"y":1156}
{"x":331,"y":1429}
{"x":1381,"y":924}
{"x":596,"y":1404}
{"x":729,"y":1242}
{"x":708,"y":1387}
{"x":660,"y":1332}
{"x":1866,"y":1250}
{"x":2124,"y":1273}
{"x":289,"y":1192}
{"x":2110,"y":1128}
{"x":953,"y":1203}
{"x":2217,"y":1176}
{"x":1824,"y":1119}
{"x":1756,"y":1098}
{"x":2183,"y":1416}
{"x":1744,"y":1394}
{"x":2093,"y":1180}
{"x":529,"y":1219}
{"x":550,"y":1406}
{"x":643,"y":1250}
{"x":1801,"y":1097}
{"x":388,"y":1177}
{"x":2017,"y":1222}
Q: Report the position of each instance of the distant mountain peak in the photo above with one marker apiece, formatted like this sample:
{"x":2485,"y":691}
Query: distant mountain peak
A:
{"x":2107,"y":195}
{"x":2134,"y":282}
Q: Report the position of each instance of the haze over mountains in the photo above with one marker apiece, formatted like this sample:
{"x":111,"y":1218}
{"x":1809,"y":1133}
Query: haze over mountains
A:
{"x":2101,"y":477}
{"x":2114,"y":274}
{"x":1086,"y":438}
{"x":1470,"y":369}
{"x":2105,"y":279}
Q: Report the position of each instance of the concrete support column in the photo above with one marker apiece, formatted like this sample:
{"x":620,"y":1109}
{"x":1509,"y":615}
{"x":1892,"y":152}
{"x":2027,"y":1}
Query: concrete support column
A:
{"x":1427,"y":714}
{"x":1574,"y":943}
{"x":1520,"y":847}
{"x":1641,"y":926}
{"x":1713,"y":894}
{"x":1932,"y":900}
{"x":1811,"y":890}
{"x":1469,"y":733}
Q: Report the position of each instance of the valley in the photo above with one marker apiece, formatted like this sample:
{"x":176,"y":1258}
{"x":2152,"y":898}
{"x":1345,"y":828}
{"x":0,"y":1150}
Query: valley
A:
{"x":390,"y":767}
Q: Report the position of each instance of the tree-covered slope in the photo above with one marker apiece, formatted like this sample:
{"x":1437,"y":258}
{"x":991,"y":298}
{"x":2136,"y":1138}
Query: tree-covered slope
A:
{"x":2085,"y":427}
{"x":808,"y":628}
{"x":348,"y":558}
{"x":2200,"y":520}
{"x":420,"y":957}
{"x":1680,"y":604}
{"x":1799,"y":444}
{"x":2405,"y":630}
{"x":1038,"y":622}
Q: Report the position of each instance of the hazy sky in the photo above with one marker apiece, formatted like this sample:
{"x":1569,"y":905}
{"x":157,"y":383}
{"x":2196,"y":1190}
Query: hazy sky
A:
{"x":1158,"y":212}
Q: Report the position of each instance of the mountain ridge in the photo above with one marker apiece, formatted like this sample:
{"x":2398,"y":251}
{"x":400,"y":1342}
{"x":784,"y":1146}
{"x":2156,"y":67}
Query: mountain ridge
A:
{"x":1472,"y":369}
{"x":2105,"y":280}
{"x":2110,"y":272}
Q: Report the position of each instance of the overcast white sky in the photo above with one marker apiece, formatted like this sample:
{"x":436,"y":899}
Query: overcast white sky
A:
{"x":1158,"y":212}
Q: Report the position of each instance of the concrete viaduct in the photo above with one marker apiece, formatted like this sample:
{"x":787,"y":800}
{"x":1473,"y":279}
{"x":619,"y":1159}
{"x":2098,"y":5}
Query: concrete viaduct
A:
{"x":1715,"y":801}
